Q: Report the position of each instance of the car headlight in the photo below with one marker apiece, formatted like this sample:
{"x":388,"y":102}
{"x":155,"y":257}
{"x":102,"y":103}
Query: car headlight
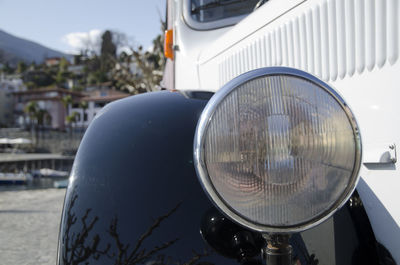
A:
{"x":277,"y":150}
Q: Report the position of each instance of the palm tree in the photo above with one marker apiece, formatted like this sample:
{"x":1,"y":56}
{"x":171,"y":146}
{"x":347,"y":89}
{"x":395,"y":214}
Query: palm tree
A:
{"x":48,"y":119}
{"x":31,"y":109}
{"x":84,"y":105}
{"x":40,"y":115}
{"x":71,"y":119}
{"x":43,"y":117}
{"x":66,"y":100}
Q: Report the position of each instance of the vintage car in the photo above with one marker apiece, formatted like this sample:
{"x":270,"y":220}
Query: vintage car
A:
{"x":275,"y":143}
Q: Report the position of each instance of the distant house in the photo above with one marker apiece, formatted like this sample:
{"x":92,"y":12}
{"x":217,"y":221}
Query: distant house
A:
{"x":131,"y":67}
{"x":52,"y":61}
{"x":98,"y":87}
{"x":49,"y":99}
{"x":76,"y":69}
{"x":96,"y":99}
{"x":72,"y":81}
{"x":8,"y":85}
{"x":37,"y":76}
{"x":12,"y":82}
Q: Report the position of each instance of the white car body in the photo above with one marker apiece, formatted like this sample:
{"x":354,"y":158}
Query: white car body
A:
{"x":353,"y":45}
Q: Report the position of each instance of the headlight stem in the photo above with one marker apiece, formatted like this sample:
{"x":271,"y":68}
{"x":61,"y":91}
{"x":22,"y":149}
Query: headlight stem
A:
{"x":278,"y":250}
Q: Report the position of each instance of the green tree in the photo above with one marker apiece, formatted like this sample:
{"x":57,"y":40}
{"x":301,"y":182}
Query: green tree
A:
{"x":33,"y":66}
{"x":78,"y":58}
{"x":2,"y":56}
{"x":84,"y":105}
{"x":21,"y":67}
{"x":60,"y":78}
{"x":149,"y":68}
{"x":48,"y":119}
{"x":31,"y":109}
{"x":30,"y":85}
{"x":41,"y":77}
{"x":72,"y":119}
{"x":7,"y":69}
{"x":151,"y":64}
{"x":62,"y":73}
{"x":97,"y":77}
{"x":42,"y":116}
{"x":66,"y":101}
{"x":107,"y":45}
{"x":63,"y":66}
{"x":108,"y":51}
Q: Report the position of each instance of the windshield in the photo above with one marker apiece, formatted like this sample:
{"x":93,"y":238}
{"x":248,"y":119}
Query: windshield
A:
{"x":212,"y":10}
{"x":217,"y":13}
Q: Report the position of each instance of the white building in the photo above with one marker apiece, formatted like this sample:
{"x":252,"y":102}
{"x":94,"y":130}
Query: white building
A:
{"x":8,"y":85}
{"x":49,"y":99}
{"x":96,"y":100}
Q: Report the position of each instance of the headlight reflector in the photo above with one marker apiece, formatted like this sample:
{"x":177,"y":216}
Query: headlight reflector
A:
{"x":277,"y":149}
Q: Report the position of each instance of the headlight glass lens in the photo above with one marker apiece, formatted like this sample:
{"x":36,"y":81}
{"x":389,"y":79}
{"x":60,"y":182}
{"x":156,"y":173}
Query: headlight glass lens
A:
{"x":280,"y":151}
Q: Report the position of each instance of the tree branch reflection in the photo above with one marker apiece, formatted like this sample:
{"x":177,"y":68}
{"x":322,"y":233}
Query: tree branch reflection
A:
{"x":138,"y":255}
{"x":76,"y":248}
{"x":81,"y":247}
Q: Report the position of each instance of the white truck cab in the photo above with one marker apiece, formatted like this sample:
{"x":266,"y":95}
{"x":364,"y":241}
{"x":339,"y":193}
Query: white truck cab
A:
{"x":351,"y":45}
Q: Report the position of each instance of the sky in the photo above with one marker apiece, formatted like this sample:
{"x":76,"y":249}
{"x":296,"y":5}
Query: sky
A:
{"x":65,"y":24}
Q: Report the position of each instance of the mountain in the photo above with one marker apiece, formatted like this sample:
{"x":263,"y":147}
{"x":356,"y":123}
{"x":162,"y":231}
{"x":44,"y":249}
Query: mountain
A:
{"x":14,"y":49}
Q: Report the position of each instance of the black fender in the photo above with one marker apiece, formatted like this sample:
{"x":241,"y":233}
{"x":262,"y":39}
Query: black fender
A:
{"x":134,"y":197}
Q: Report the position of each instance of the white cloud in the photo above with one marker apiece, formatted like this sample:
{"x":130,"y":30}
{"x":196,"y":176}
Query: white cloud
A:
{"x":150,"y":48}
{"x":81,"y":41}
{"x":126,"y":49}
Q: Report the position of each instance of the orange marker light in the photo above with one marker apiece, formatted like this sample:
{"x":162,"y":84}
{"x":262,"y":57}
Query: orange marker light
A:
{"x":169,"y":44}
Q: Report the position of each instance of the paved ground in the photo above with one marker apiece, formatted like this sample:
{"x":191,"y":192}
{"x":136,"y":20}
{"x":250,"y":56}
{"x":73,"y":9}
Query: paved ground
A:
{"x":32,"y":157}
{"x":29,"y":221}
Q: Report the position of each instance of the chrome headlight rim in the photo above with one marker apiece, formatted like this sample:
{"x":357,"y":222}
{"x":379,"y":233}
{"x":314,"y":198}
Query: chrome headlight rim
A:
{"x":199,"y":154}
